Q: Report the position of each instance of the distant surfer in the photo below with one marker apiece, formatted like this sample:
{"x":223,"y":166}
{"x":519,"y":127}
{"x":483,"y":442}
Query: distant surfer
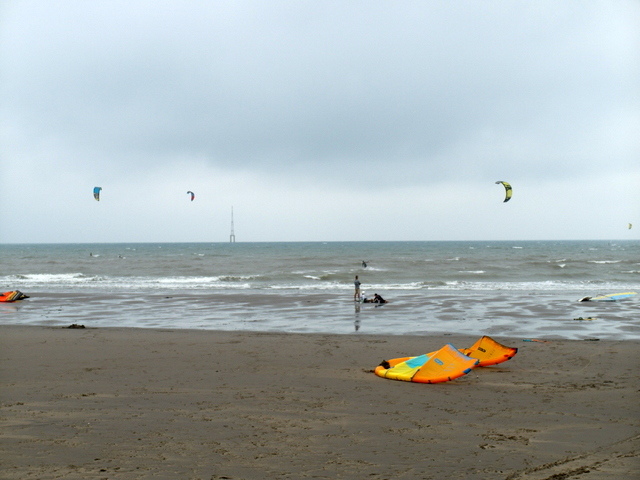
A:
{"x":356,"y":283}
{"x":364,"y":264}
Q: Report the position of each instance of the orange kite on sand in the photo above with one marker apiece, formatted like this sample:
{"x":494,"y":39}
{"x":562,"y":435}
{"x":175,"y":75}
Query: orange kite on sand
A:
{"x":435,"y":367}
{"x":447,"y":363}
{"x":12,"y":296}
{"x":489,"y":352}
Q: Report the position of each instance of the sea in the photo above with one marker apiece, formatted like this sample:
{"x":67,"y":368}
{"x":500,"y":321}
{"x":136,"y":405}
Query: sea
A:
{"x":527,"y":289}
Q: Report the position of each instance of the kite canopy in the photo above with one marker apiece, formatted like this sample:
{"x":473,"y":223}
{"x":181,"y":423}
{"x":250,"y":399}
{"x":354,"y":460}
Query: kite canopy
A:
{"x":442,"y":366}
{"x":96,"y":193}
{"x":193,"y":195}
{"x":611,"y":297}
{"x":12,"y":296}
{"x":447,"y":363}
{"x":489,"y":352}
{"x":507,"y":190}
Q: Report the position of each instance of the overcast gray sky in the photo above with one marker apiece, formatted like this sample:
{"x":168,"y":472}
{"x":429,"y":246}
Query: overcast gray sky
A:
{"x":319,"y":120}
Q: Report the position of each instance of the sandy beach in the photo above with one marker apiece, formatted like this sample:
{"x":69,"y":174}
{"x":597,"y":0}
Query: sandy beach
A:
{"x":117,"y":403}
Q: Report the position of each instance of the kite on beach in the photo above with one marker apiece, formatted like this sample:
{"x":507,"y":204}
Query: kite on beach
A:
{"x":96,"y":193}
{"x":611,"y":297}
{"x":489,"y":352}
{"x":442,"y":366}
{"x":12,"y":296}
{"x":447,"y":363}
{"x":507,"y":190}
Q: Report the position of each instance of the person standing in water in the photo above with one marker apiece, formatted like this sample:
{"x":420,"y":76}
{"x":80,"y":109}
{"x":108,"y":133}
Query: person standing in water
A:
{"x":356,"y":295}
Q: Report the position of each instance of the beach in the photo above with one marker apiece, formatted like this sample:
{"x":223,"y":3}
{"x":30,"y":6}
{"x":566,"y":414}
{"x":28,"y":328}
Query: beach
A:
{"x":134,"y":403}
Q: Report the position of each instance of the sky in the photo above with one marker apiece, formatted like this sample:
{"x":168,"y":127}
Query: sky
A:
{"x":319,"y":121}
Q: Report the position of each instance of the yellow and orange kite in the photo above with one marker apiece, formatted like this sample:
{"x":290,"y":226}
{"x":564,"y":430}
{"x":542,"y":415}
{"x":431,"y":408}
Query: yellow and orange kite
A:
{"x":447,"y":363}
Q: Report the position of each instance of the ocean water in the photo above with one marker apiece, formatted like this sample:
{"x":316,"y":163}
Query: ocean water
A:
{"x":512,"y":288}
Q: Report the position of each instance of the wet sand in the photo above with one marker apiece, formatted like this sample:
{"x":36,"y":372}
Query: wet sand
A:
{"x":117,"y":403}
{"x":517,"y":315}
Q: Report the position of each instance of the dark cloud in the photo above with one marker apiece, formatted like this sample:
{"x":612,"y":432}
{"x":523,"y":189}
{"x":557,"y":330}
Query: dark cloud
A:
{"x":314,"y":83}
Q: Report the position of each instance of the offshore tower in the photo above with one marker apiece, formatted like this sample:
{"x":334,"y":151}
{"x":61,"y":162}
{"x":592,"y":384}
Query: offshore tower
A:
{"x":232,"y":237}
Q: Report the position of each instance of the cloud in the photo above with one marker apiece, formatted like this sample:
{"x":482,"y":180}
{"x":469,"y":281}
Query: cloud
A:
{"x":350,"y":98}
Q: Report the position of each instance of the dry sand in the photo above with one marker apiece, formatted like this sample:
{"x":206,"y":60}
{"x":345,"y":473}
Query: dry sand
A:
{"x":140,"y":403}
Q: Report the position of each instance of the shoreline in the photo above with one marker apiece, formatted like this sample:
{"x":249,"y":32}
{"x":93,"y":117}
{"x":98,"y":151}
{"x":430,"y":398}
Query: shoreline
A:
{"x":446,"y":337}
{"x":129,"y":403}
{"x":540,"y":315}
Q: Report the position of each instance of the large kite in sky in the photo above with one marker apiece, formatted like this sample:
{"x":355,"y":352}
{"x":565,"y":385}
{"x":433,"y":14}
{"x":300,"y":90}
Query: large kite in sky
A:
{"x":507,"y":190}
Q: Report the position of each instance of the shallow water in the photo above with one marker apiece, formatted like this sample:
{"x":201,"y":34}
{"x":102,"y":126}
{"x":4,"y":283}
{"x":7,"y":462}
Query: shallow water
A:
{"x":527,"y":289}
{"x":542,"y":315}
